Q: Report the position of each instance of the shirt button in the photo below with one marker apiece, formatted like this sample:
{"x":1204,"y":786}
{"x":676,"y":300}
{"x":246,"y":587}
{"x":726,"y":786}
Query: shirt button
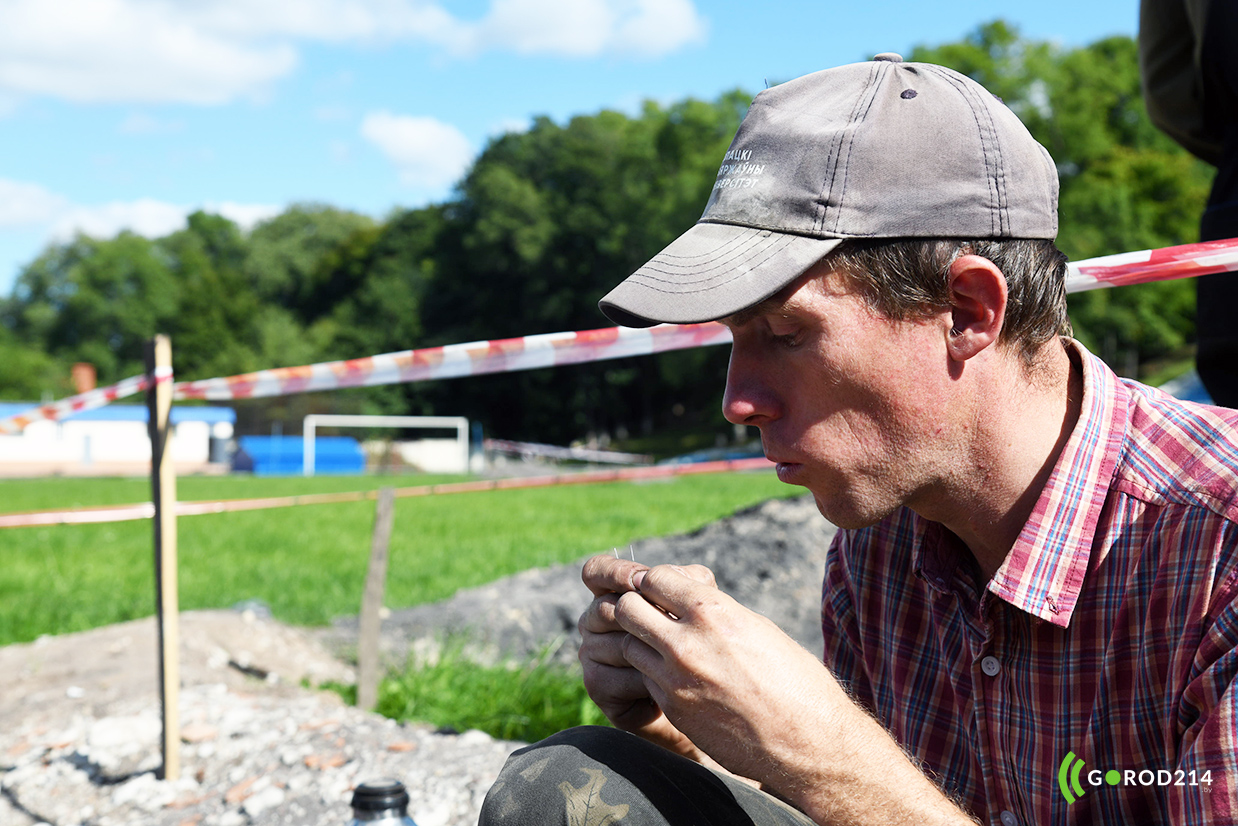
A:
{"x":1008,"y":819}
{"x":990,"y":666}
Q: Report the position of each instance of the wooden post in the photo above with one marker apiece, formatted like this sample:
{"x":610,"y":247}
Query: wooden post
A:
{"x":370,"y":622}
{"x":163,"y":495}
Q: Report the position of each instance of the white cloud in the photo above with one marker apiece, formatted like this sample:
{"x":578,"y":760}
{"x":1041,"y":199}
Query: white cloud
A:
{"x":586,"y":28}
{"x":31,"y":217}
{"x":129,"y":50}
{"x":324,"y":20}
{"x":502,"y":127}
{"x":426,"y":151}
{"x":30,"y":206}
{"x":214,"y":51}
{"x":655,"y":27}
{"x":145,"y":216}
{"x":246,"y":216}
{"x":578,"y":28}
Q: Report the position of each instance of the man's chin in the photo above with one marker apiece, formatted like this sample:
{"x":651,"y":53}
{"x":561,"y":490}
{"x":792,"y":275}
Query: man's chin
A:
{"x":847,"y":515}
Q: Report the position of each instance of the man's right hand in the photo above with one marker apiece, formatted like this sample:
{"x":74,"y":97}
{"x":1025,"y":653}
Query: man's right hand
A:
{"x":616,"y":687}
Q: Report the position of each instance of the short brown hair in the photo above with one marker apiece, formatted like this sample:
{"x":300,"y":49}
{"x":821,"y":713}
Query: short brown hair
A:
{"x":906,"y":278}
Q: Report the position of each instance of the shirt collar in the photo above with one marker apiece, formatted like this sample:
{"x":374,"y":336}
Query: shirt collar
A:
{"x":1044,"y":571}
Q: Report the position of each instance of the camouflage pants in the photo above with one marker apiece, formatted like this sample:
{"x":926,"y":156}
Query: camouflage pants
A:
{"x":592,"y":776}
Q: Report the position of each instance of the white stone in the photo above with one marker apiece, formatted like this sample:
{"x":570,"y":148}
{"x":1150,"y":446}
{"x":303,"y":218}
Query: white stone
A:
{"x":218,"y":658}
{"x":125,"y":734}
{"x":334,"y":787}
{"x":232,"y":818}
{"x":263,"y":801}
{"x":143,"y":791}
{"x":474,"y":737}
{"x":435,"y":815}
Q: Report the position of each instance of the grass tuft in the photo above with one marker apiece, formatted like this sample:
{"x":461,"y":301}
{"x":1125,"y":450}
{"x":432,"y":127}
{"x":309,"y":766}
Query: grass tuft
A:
{"x":527,"y":703}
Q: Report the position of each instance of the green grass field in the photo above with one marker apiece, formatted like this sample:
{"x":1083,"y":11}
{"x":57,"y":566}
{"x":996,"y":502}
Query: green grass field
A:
{"x":308,"y":563}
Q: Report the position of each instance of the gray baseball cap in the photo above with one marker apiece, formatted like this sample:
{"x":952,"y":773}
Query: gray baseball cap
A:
{"x":883,"y":149}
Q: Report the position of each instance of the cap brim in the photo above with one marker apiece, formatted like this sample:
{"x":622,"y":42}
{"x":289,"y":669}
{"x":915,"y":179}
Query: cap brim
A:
{"x":712,"y":271}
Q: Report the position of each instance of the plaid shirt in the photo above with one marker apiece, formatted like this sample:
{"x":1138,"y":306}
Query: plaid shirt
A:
{"x":1109,"y":635}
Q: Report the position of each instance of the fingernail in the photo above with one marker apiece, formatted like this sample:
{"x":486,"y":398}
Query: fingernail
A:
{"x":637,"y":579}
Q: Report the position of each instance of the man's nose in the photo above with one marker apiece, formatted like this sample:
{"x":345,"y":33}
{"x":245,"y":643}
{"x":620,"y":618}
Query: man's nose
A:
{"x":749,"y":398}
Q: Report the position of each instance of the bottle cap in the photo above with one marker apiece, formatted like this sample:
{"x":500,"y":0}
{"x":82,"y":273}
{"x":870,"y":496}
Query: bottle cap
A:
{"x":378,"y":795}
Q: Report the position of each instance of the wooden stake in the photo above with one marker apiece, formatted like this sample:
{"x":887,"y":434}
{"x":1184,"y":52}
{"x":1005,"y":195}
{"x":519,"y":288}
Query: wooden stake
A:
{"x":163,"y":495}
{"x":372,"y":602}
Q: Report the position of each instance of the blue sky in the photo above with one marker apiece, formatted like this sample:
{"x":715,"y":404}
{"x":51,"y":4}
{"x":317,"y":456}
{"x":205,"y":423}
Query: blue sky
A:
{"x":132,"y":113}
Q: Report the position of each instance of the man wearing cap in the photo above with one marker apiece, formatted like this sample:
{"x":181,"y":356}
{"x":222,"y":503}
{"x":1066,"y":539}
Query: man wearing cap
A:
{"x":1031,"y":607}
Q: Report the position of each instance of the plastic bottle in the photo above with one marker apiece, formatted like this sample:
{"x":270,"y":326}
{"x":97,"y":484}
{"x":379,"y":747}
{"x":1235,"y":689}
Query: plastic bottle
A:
{"x":380,"y":803}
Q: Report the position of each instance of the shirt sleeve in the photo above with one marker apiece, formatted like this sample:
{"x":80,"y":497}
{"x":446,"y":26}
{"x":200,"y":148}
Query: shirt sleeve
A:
{"x":1204,"y":789}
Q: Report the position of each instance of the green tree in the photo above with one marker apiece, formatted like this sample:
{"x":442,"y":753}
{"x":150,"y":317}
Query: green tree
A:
{"x":285,"y":253}
{"x":96,"y":301}
{"x":214,"y":330}
{"x":30,"y":374}
{"x":379,"y":277}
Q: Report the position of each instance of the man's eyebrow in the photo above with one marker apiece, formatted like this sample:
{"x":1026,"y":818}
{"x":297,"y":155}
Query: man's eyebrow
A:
{"x":744,"y":316}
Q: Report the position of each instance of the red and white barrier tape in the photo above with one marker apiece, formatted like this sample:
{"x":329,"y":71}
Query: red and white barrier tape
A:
{"x":84,"y":401}
{"x":551,"y":349}
{"x":145,"y":510}
{"x":451,"y":361}
{"x":454,"y":360}
{"x":1185,"y":261}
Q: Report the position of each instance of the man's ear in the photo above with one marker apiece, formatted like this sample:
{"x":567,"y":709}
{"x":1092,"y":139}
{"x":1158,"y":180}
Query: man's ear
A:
{"x":977,"y":305}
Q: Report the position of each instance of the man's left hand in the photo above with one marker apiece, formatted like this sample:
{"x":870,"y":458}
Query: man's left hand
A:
{"x":742,"y":690}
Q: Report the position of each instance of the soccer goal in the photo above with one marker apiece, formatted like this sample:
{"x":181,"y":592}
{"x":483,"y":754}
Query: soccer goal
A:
{"x":314,"y":420}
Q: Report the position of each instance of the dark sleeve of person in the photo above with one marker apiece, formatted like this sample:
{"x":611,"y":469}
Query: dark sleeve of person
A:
{"x":1171,"y":36}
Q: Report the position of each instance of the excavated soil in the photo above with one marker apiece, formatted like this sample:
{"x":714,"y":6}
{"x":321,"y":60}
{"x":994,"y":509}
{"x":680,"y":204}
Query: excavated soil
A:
{"x":79,"y":713}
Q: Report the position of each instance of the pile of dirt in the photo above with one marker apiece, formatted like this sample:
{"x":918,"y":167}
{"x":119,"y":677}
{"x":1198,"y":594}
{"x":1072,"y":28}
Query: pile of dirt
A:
{"x":80,"y":743}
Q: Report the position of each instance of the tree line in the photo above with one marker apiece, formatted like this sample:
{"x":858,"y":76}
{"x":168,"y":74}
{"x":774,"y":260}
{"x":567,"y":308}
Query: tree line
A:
{"x":543,"y":224}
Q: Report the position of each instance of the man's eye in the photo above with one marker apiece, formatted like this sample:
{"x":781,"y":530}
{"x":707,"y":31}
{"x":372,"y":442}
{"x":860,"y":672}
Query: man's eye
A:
{"x":788,"y":340}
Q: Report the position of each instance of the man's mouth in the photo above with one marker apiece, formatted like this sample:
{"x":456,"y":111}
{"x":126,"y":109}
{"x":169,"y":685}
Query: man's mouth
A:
{"x":787,"y":472}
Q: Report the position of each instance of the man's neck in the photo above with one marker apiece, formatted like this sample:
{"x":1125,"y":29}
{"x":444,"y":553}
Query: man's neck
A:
{"x":1027,"y":422}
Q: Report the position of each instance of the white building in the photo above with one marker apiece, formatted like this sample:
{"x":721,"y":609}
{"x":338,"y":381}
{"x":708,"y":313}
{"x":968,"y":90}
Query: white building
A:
{"x":113,"y":441}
